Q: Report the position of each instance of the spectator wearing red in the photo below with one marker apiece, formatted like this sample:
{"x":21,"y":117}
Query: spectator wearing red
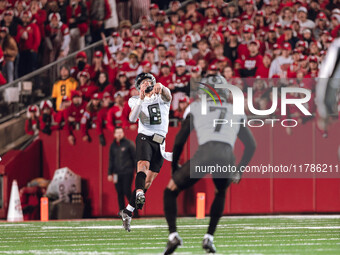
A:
{"x":47,"y":117}
{"x":195,"y":76}
{"x":3,"y":6}
{"x":180,"y":86}
{"x":130,"y":68}
{"x":186,"y":55}
{"x":32,"y":121}
{"x":86,"y":86}
{"x":253,"y":62}
{"x":248,"y":36}
{"x":322,"y":24}
{"x":160,"y":54}
{"x":115,"y":116}
{"x":145,"y":67}
{"x":288,"y":37}
{"x":11,"y":22}
{"x":154,"y":9}
{"x":99,"y":12}
{"x":73,"y":115}
{"x":188,"y":42}
{"x":76,"y":16}
{"x":191,"y":13}
{"x":104,"y":84}
{"x":271,"y":39}
{"x":123,"y":85}
{"x":106,"y":104}
{"x":81,"y":64}
{"x":98,"y":66}
{"x":183,"y":103}
{"x":335,"y":21}
{"x":249,"y":9}
{"x":150,"y":56}
{"x":39,"y":16}
{"x":263,"y":70}
{"x":204,"y":51}
{"x":60,"y":115}
{"x":314,"y":49}
{"x":28,"y":39}
{"x":57,"y":39}
{"x":89,"y":118}
{"x":165,"y":76}
{"x":135,"y":36}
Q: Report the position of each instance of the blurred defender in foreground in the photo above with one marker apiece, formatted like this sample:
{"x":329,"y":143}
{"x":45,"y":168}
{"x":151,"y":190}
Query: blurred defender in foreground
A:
{"x":215,"y":147}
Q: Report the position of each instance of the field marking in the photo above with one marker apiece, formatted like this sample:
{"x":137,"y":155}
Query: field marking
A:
{"x":274,"y":228}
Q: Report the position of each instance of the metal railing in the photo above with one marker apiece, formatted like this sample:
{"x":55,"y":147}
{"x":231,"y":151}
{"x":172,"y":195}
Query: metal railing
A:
{"x":32,"y":88}
{"x":16,"y":96}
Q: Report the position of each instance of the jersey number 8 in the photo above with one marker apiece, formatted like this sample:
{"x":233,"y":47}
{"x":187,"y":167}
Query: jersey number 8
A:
{"x":155,"y":114}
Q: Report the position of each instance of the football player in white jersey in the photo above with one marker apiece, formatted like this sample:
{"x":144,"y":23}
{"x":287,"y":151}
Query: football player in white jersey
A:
{"x":215,"y":147}
{"x":152,"y":108}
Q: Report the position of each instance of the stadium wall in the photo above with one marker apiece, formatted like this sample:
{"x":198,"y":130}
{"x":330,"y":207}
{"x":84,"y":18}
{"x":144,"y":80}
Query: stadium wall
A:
{"x":252,"y":196}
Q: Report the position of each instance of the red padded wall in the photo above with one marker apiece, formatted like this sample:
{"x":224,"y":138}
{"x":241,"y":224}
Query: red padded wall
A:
{"x":252,"y":195}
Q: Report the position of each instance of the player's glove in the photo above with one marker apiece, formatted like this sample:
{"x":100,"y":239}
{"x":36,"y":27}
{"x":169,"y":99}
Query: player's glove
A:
{"x":102,"y":140}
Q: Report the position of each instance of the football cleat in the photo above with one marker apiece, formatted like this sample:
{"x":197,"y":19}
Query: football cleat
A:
{"x":126,"y":220}
{"x":140,"y":201}
{"x":208,"y":245}
{"x":172,"y":245}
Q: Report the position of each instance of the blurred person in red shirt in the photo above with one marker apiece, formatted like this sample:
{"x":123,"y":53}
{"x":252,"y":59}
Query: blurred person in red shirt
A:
{"x":73,"y":115}
{"x":98,"y":66}
{"x":103,"y":84}
{"x":28,"y":39}
{"x":77,"y":21}
{"x":248,"y":36}
{"x":182,"y":105}
{"x":32,"y":121}
{"x":81,"y":64}
{"x":165,"y":76}
{"x":86,"y":86}
{"x":130,"y":68}
{"x":253,"y":62}
{"x":57,"y":39}
{"x":60,"y":115}
{"x":39,"y":16}
{"x":123,"y":85}
{"x":106,"y":104}
{"x":204,"y":51}
{"x":263,"y":70}
{"x":89,"y":118}
{"x":47,"y":117}
{"x":180,"y":86}
{"x":115,"y":116}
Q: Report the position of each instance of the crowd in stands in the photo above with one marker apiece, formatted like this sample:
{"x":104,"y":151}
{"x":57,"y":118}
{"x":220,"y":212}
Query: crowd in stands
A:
{"x":258,"y":44}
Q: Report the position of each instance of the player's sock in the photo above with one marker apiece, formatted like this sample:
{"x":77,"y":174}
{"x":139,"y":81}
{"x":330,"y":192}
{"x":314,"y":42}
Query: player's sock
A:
{"x":216,"y":211}
{"x":131,"y":202}
{"x":140,"y":181}
{"x":210,"y":237}
{"x":170,"y":208}
{"x":172,"y":236}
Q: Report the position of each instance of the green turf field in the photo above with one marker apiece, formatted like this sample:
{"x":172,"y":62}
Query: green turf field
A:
{"x":235,"y":235}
